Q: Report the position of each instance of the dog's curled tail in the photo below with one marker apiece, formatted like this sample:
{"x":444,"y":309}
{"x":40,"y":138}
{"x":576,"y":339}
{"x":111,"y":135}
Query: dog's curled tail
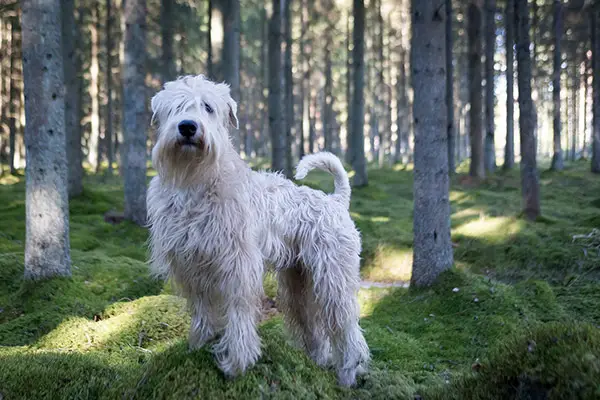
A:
{"x":327,"y":162}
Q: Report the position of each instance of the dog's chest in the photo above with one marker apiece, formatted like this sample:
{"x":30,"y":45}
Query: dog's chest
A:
{"x":195,"y":230}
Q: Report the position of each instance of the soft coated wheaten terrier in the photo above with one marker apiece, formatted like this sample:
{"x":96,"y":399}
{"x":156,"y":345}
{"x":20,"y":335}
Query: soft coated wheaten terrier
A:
{"x":215,"y":224}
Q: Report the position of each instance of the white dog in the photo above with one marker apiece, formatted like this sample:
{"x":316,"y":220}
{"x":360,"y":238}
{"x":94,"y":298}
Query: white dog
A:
{"x":215,"y":224}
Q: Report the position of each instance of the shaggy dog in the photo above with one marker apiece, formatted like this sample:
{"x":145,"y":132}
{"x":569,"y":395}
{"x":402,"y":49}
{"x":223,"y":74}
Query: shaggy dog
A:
{"x":215,"y":225}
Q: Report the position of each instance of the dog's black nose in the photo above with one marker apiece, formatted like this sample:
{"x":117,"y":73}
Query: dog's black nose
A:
{"x":187,"y":128}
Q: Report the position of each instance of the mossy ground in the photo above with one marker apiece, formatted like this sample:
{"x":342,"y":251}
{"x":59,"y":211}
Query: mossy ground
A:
{"x":523,"y":323}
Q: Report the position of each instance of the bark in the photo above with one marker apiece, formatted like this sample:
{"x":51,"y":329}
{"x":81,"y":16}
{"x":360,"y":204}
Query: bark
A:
{"x":135,"y":117}
{"x":358,"y":103}
{"x":490,"y":49}
{"x":276,"y":121}
{"x":348,"y":90}
{"x":474,"y":22}
{"x":72,"y":66}
{"x":47,"y":252}
{"x":509,"y":150}
{"x":557,"y":157}
{"x":529,"y":175}
{"x":109,"y":93}
{"x":209,"y":56}
{"x":327,"y":93}
{"x":574,"y":119}
{"x":231,"y":56}
{"x":92,"y":145}
{"x":167,"y":18}
{"x":14,"y":94}
{"x":450,"y":89}
{"x":288,"y":88}
{"x":304,"y":93}
{"x":380,"y":91}
{"x":432,"y":248}
{"x":595,"y":167}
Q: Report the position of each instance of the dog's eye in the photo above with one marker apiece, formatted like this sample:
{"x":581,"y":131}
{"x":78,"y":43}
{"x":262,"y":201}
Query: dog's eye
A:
{"x":208,"y":108}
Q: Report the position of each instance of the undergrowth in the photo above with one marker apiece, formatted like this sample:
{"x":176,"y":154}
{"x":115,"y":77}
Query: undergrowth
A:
{"x":517,"y":318}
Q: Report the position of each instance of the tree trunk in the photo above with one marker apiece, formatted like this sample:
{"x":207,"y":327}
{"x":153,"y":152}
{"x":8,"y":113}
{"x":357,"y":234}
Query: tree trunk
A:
{"x":596,"y":89}
{"x":15,"y":94}
{"x":47,"y":252}
{"x":231,"y":56}
{"x":288,"y":88}
{"x":490,"y":49}
{"x":167,"y":18}
{"x":557,"y":157}
{"x":380,"y":89}
{"x":92,"y":145}
{"x":358,"y":102}
{"x":450,"y":88}
{"x":529,"y":175}
{"x":109,"y":94}
{"x":209,"y":57}
{"x":327,"y":91}
{"x":134,"y":118}
{"x":574,"y":119}
{"x":474,"y":28}
{"x":72,"y":65}
{"x":432,"y":246}
{"x":304,"y":92}
{"x":348,"y":90}
{"x":509,"y":150}
{"x":276,"y":122}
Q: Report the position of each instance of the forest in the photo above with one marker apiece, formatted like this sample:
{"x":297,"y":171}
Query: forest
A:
{"x":470,"y":131}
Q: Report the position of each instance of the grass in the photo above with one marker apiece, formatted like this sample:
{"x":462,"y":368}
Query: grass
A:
{"x":517,"y":318}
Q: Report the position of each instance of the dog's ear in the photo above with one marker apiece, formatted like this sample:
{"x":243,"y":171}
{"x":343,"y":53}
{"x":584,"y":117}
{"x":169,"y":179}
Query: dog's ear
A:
{"x":156,"y":106}
{"x":233,"y":119}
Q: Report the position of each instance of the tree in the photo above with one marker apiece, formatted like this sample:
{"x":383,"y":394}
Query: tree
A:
{"x":109,"y":94}
{"x":530,"y":186}
{"x":450,"y":88}
{"x":474,"y":21}
{"x":595,"y":21}
{"x":557,"y":157}
{"x":167,"y":18}
{"x":209,"y":57}
{"x":288,"y":87}
{"x":14,"y":93}
{"x":357,"y":159}
{"x":47,"y":252}
{"x":509,"y":149}
{"x":276,"y":121}
{"x":93,"y":155}
{"x":231,"y":55}
{"x":134,"y":116}
{"x":432,"y":246}
{"x":72,"y":101}
{"x":490,"y":49}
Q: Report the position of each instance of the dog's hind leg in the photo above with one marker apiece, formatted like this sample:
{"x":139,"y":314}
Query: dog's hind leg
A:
{"x":336,"y":282}
{"x":241,"y":289}
{"x":296,"y":300}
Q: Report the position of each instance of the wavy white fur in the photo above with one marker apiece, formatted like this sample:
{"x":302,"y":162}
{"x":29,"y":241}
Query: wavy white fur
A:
{"x":215,"y":225}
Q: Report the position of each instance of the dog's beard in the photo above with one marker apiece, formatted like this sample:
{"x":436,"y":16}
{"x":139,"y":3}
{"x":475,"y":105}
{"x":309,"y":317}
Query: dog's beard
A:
{"x":181,"y":162}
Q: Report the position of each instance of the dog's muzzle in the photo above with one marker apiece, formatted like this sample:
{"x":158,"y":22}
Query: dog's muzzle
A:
{"x":188,"y":134}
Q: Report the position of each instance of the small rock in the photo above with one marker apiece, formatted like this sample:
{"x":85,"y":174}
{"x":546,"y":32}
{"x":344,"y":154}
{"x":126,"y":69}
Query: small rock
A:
{"x":456,"y":290}
{"x":425,"y":319}
{"x":476,"y":300}
{"x":531,"y":346}
{"x":432,"y":315}
{"x":476,"y":318}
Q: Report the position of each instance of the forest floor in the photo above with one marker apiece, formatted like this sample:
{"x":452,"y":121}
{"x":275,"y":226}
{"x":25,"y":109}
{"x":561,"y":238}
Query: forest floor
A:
{"x":518,"y":317}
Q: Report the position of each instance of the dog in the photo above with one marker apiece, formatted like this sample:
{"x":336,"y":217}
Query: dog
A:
{"x":216,"y":226}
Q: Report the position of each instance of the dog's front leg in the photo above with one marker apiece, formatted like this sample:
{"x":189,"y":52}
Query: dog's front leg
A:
{"x":239,"y":347}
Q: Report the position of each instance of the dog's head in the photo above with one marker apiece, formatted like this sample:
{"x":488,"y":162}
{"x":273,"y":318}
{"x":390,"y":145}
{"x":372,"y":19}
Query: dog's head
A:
{"x":193,"y":116}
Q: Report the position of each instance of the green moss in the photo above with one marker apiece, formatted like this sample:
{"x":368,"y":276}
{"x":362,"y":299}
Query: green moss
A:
{"x":550,"y":361}
{"x":111,"y":331}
